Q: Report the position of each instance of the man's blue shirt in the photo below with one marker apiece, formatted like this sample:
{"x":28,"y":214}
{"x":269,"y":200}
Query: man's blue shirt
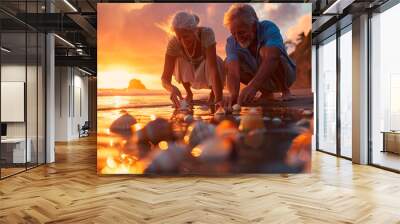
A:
{"x":268,"y":34}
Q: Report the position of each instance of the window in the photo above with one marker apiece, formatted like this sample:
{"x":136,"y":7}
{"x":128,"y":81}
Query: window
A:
{"x":346,"y":92}
{"x":385,"y":89}
{"x":327,"y":96}
{"x":23,"y":86}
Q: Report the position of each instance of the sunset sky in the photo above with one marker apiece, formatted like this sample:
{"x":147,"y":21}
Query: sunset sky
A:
{"x":132,"y":37}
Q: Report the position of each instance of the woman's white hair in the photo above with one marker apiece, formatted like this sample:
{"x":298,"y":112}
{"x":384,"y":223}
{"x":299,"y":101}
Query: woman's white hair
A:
{"x":241,"y":11}
{"x":185,"y":20}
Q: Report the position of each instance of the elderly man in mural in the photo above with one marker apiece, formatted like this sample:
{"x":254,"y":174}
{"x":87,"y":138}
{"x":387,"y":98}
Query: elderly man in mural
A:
{"x":256,"y":57}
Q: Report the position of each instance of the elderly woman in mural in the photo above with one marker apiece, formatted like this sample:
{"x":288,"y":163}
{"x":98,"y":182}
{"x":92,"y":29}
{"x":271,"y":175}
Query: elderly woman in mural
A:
{"x":191,"y":57}
{"x":256,"y":56}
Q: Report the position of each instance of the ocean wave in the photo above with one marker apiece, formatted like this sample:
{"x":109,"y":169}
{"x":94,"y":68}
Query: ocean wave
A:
{"x":133,"y":106}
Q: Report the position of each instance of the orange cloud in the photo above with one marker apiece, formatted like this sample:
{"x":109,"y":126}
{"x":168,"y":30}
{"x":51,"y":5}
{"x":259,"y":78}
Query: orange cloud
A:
{"x":271,"y":7}
{"x":211,"y":11}
{"x":136,"y":6}
{"x":303,"y":25}
{"x":166,"y":26}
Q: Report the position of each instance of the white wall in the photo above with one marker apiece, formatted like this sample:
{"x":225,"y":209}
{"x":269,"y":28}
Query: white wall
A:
{"x":62,"y":78}
{"x":33,"y":127}
{"x":14,"y":73}
{"x":71,"y":94}
{"x":80,"y":111}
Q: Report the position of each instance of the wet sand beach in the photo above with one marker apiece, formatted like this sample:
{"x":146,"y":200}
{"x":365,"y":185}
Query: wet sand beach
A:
{"x":286,"y":125}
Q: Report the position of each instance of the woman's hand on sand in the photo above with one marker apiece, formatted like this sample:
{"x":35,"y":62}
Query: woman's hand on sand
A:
{"x":226,"y":102}
{"x":176,"y":96}
{"x":189,"y":98}
{"x":247,"y":95}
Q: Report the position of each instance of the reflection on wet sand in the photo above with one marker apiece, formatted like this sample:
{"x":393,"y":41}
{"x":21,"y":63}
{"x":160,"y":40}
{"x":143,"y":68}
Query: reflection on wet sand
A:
{"x":196,"y":140}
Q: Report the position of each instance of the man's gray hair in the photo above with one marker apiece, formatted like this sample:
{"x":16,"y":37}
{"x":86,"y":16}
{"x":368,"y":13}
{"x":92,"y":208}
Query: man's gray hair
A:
{"x":241,"y":11}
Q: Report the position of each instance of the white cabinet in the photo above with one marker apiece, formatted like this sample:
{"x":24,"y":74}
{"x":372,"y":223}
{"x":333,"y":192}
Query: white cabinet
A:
{"x":17,"y":148}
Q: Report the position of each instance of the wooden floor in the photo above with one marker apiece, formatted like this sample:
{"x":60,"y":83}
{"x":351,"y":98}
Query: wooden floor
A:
{"x":70,"y":191}
{"x":5,"y":172}
{"x":387,"y":159}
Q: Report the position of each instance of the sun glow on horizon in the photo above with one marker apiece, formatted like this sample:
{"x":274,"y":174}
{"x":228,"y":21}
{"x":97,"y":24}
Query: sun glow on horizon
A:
{"x":119,"y":79}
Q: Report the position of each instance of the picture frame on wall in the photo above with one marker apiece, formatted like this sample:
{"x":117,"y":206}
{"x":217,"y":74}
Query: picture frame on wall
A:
{"x":204,"y":88}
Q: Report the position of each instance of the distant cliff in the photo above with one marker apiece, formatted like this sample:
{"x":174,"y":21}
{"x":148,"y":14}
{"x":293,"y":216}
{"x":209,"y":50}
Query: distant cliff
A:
{"x":135,"y":87}
{"x":302,"y":57}
{"x":136,"y":84}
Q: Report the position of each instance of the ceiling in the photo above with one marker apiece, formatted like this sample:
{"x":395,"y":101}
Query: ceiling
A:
{"x":74,"y":21}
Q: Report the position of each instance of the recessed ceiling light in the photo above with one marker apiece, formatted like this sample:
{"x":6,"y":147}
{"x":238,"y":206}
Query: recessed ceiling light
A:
{"x":70,"y":5}
{"x":64,"y":40}
{"x":84,"y":71}
{"x":5,"y":50}
{"x":338,"y":6}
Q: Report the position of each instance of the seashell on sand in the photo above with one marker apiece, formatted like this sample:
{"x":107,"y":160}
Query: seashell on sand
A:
{"x":198,"y":132}
{"x":307,"y":112}
{"x":250,"y":122}
{"x":220,"y":111}
{"x":213,"y":150}
{"x":255,"y":138}
{"x":184,"y":105}
{"x":167,"y":158}
{"x":156,"y":131}
{"x":236,"y":108}
{"x":122,"y":125}
{"x":188,"y":118}
{"x":276,"y":121}
{"x":266,"y":118}
{"x":227,"y":129}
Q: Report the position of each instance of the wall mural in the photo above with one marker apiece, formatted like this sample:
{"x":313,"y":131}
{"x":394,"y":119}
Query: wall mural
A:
{"x":204,"y":88}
